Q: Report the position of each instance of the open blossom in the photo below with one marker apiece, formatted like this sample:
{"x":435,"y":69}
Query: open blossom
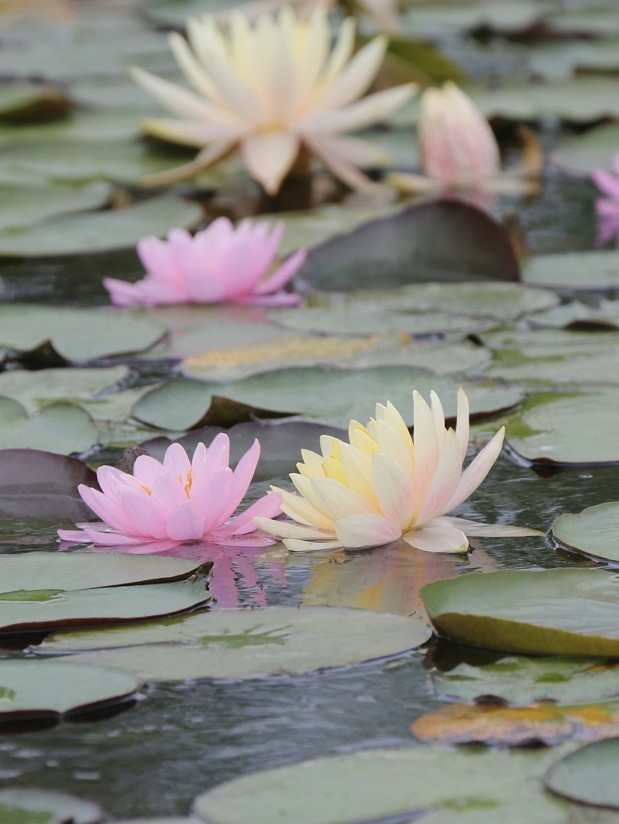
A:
{"x":458,"y":149}
{"x":607,"y":207}
{"x":166,"y":503}
{"x":220,"y":264}
{"x":275,"y":90}
{"x":384,"y":485}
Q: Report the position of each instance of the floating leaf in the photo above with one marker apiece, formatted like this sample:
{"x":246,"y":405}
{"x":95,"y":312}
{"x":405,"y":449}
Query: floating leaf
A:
{"x":29,"y":806}
{"x":327,"y":394}
{"x":594,"y":531}
{"x":402,"y":249}
{"x":100,"y":231}
{"x":42,"y":689}
{"x":585,"y":152}
{"x":77,"y":335}
{"x":591,"y":365}
{"x":61,"y":427}
{"x":36,"y":610}
{"x":66,"y":571}
{"x":405,"y":783}
{"x":521,"y":681}
{"x":30,"y":101}
{"x":587,"y":775}
{"x":25,"y":205}
{"x":568,"y":429}
{"x":37,"y":389}
{"x":548,"y":612}
{"x":247,"y":643}
{"x":35,"y":484}
{"x":584,"y":271}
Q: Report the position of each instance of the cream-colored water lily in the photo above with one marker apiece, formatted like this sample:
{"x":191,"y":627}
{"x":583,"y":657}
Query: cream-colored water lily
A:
{"x":384,"y":485}
{"x":275,"y":90}
{"x":458,"y":149}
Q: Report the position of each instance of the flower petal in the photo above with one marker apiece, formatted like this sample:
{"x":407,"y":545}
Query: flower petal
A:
{"x":359,"y":531}
{"x":477,"y":470}
{"x":437,"y":537}
{"x":269,"y":157}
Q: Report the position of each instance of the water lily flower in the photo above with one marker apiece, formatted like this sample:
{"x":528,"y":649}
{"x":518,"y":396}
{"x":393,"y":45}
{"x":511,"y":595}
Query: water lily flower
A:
{"x":384,"y":485}
{"x":219,"y":264}
{"x":607,"y":207}
{"x":163,"y":504}
{"x":276,"y":91}
{"x":458,"y":149}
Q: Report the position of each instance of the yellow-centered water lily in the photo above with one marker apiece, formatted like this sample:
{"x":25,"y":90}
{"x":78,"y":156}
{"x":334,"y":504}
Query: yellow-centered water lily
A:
{"x":384,"y":485}
{"x":275,"y":89}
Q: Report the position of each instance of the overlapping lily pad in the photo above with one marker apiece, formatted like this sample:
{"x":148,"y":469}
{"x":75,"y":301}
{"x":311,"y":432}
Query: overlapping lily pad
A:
{"x":44,"y":609}
{"x":587,"y":775}
{"x":585,"y":152}
{"x":327,"y":394}
{"x":27,"y":204}
{"x":568,"y":429}
{"x":593,"y":532}
{"x":77,"y":335}
{"x":407,"y":783}
{"x":548,"y":612}
{"x":66,"y":571}
{"x":60,"y":427}
{"x":37,"y":389}
{"x":36,"y":484}
{"x":520,"y":680}
{"x":101,"y":231}
{"x":584,"y":271}
{"x":33,"y":806}
{"x":246,"y":643}
{"x":44,"y":689}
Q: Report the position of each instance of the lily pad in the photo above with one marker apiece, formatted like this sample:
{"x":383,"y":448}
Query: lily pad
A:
{"x":568,"y":429}
{"x":585,"y":152}
{"x":402,"y":249}
{"x":490,"y":724}
{"x":66,"y":571}
{"x":36,"y":484}
{"x":37,"y":389}
{"x":520,"y":681}
{"x":407,"y":783}
{"x":583,"y":271}
{"x":77,"y":335}
{"x":548,"y":612}
{"x":31,"y":101}
{"x":100,"y":231}
{"x":591,"y":365}
{"x":36,"y":610}
{"x":26,"y":205}
{"x":247,"y":643}
{"x":587,"y":776}
{"x":42,"y":689}
{"x":593,"y":532}
{"x":327,"y":394}
{"x":60,"y":427}
{"x":29,"y":806}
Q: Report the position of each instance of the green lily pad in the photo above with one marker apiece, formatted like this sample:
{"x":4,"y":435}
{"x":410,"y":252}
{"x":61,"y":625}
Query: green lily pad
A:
{"x":521,"y":681}
{"x":87,"y":570}
{"x":29,"y":806}
{"x":585,"y":152}
{"x":100,"y":231}
{"x":41,"y":689}
{"x":594,"y":531}
{"x":431,"y":784}
{"x":45,"y":609}
{"x":60,"y":427}
{"x":80,"y":125}
{"x":35,"y":484}
{"x":36,"y":389}
{"x":583,"y":271}
{"x":548,"y":612}
{"x":247,"y":643}
{"x":586,"y":776}
{"x":25,"y":205}
{"x":577,"y":315}
{"x":569,"y":428}
{"x":31,"y":101}
{"x":402,"y":249}
{"x":561,"y":59}
{"x":558,"y":367}
{"x":327,"y":394}
{"x":77,"y":335}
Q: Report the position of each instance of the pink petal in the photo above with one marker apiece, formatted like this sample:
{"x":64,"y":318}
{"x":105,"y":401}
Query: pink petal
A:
{"x":282,"y":274}
{"x":186,"y":522}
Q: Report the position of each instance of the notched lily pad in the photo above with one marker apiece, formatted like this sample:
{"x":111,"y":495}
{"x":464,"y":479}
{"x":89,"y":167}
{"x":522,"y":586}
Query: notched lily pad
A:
{"x":587,"y":775}
{"x":62,"y":427}
{"x":548,"y":612}
{"x":247,"y":643}
{"x":594,"y":532}
{"x":29,"y":806}
{"x":44,"y":689}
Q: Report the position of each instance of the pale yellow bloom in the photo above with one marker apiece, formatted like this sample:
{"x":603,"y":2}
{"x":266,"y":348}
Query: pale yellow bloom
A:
{"x":272,"y":89}
{"x":384,"y":485}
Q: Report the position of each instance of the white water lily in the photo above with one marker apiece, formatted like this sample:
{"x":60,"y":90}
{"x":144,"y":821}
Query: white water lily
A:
{"x":384,"y":485}
{"x":274,"y":90}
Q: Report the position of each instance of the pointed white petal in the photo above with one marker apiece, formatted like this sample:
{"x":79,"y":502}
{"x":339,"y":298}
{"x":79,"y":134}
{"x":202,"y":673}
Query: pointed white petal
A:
{"x":175,"y":98}
{"x":338,"y":500}
{"x":269,"y":157}
{"x":475,"y":530}
{"x":394,"y":491}
{"x":295,"y":545}
{"x":359,"y":531}
{"x":285,"y":529}
{"x":462,"y":421}
{"x":477,"y":470}
{"x":372,"y":109}
{"x":445,"y":481}
{"x":437,"y":537}
{"x":204,"y":159}
{"x":355,"y":77}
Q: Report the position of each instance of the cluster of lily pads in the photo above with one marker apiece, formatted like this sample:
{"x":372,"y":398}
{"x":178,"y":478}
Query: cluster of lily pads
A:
{"x":391,"y":296}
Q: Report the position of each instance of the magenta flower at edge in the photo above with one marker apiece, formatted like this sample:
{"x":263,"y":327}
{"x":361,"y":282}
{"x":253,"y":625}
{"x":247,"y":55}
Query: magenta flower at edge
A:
{"x":165,"y":504}
{"x":221,"y":264}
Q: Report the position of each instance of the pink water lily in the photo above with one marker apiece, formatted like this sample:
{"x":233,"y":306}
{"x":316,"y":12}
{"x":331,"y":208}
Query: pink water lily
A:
{"x":220,"y":264}
{"x":179,"y":500}
{"x":384,"y":485}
